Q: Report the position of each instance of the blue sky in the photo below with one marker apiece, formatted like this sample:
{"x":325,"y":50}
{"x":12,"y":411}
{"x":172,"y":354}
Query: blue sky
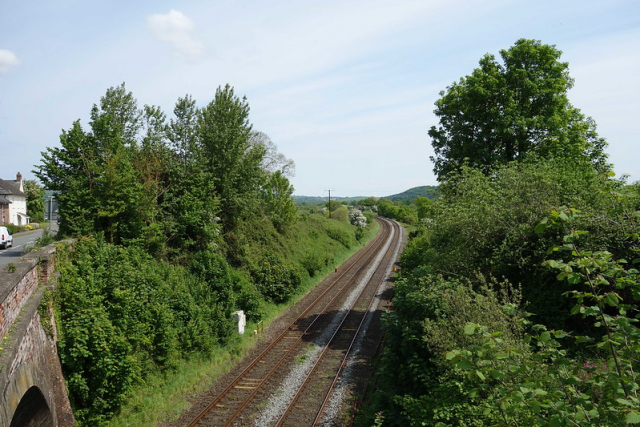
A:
{"x":344,"y":88}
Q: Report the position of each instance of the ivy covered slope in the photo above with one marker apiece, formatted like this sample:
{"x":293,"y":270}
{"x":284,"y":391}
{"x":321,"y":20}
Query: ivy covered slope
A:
{"x":178,"y":223}
{"x":518,"y":298}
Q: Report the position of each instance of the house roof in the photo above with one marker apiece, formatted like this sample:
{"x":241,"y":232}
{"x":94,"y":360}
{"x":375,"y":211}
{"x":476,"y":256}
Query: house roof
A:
{"x":10,"y":188}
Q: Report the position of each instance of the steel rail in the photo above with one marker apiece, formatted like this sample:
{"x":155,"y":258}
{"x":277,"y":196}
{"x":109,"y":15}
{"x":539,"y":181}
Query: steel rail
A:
{"x":367,"y":253}
{"x":352,"y":342}
{"x":298,"y":340}
{"x":343,"y":365}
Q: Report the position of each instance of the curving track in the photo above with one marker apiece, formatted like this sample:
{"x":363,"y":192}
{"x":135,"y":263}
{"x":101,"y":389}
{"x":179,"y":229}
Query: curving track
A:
{"x":294,"y":378}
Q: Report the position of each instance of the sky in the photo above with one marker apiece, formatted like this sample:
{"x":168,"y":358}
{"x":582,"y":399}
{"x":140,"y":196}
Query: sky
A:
{"x":346,"y":89}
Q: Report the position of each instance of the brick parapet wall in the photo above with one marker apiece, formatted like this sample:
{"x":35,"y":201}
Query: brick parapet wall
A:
{"x":16,"y":287}
{"x":28,"y":356}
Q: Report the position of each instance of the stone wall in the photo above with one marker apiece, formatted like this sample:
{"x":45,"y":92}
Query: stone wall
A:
{"x":28,"y":353}
{"x":16,"y":287}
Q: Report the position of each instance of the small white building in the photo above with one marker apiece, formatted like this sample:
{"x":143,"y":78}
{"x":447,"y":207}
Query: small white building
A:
{"x":13,"y":202}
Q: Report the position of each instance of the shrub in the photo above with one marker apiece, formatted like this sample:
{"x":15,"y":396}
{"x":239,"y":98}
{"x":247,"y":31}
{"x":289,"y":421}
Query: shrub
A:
{"x":487,"y":224}
{"x":357,"y":218}
{"x":429,"y":314}
{"x":250,"y":301}
{"x":341,"y":214}
{"x":124,"y":315}
{"x":554,"y":386}
{"x":275,"y":279}
{"x":313,"y":262}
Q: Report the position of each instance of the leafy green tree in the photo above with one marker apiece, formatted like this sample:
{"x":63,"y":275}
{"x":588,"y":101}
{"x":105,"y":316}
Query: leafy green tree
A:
{"x":234,"y":163}
{"x":333,"y":205}
{"x":183,"y":130}
{"x":503,"y":111}
{"x":278,"y":201}
{"x":397,"y":210}
{"x":35,"y":202}
{"x":369,"y":202}
{"x":425,"y":207}
{"x":190,"y":205}
{"x":94,"y":171}
{"x":72,"y":169}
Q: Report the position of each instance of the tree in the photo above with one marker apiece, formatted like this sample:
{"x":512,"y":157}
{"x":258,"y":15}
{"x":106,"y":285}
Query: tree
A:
{"x":278,"y":201}
{"x":183,"y":130}
{"x":426,"y":207}
{"x":94,"y":171}
{"x":273,"y":160}
{"x":503,"y":112}
{"x":35,"y":202}
{"x":232,"y":160}
{"x":333,"y":205}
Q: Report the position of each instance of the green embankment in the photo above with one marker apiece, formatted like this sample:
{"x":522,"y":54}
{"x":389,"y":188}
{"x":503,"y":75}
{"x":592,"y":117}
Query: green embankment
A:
{"x":163,"y":396}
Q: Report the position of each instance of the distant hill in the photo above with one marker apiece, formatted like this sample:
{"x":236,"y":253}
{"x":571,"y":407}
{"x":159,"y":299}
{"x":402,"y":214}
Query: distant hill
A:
{"x":429,"y":191}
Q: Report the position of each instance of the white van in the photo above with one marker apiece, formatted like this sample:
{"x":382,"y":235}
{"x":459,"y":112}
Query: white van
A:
{"x":6,"y":239}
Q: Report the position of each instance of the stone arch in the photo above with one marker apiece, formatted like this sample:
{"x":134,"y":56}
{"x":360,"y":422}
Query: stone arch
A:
{"x":33,"y":410}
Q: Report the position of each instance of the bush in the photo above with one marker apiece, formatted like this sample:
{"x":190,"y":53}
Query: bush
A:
{"x":275,"y":279}
{"x":487,"y":224}
{"x":357,"y":218}
{"x":459,"y":351}
{"x":555,"y":386}
{"x":417,"y":383}
{"x":123,"y":315}
{"x":313,"y":263}
{"x":251,"y":302}
{"x":341,"y":214}
{"x":214,"y":270}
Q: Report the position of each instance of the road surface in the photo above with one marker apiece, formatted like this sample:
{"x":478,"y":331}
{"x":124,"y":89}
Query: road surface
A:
{"x":20,"y":242}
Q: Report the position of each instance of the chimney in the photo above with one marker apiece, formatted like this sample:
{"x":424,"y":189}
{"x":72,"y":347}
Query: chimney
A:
{"x":19,"y":181}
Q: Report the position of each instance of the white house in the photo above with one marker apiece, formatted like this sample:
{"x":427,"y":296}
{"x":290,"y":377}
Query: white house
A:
{"x":13,"y":202}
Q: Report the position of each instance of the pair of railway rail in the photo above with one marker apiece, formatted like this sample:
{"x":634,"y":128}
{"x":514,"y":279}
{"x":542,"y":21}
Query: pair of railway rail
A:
{"x":333,"y":324}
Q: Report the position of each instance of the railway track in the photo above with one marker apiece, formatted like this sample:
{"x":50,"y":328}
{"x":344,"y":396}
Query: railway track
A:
{"x":291,"y":381}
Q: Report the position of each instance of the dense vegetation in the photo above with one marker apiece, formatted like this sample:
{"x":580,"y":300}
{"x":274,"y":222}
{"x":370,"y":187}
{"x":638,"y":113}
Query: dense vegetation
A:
{"x":178,"y":223}
{"x":517,"y":302}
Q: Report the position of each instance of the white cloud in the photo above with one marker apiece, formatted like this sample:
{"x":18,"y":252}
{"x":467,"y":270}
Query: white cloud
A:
{"x":178,"y":30}
{"x":8,"y":59}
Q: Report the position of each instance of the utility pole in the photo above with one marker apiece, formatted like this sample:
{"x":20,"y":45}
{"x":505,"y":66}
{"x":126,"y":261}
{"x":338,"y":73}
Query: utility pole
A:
{"x":329,"y":190}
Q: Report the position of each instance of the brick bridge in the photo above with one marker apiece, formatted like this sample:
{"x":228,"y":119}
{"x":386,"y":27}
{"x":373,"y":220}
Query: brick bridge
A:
{"x":32,"y":389}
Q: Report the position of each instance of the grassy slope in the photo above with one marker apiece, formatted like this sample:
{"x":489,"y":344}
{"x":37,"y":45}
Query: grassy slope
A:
{"x":165,"y":397}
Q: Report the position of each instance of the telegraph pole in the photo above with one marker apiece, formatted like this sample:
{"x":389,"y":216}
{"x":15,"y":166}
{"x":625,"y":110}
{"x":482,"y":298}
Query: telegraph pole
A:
{"x":329,"y":190}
